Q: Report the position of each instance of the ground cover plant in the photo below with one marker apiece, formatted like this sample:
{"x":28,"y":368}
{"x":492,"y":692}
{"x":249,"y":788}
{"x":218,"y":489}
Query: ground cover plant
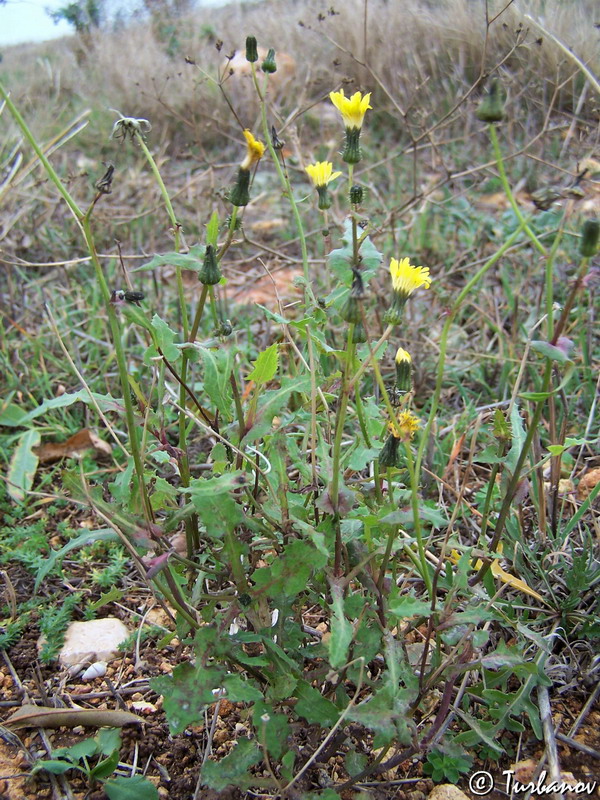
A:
{"x":325,"y":395}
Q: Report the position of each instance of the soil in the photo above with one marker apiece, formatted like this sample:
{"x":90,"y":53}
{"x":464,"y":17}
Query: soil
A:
{"x":172,"y":762}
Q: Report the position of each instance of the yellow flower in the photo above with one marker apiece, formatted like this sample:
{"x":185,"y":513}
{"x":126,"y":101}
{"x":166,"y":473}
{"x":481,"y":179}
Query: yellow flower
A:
{"x":405,"y":426}
{"x":255,"y":152}
{"x":352,"y":109}
{"x":402,"y":356}
{"x":321,"y":173}
{"x":406,"y":278}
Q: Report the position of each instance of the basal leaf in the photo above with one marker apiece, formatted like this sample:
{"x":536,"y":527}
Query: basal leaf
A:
{"x":23,"y":465}
{"x":341,"y":633}
{"x":315,"y":708}
{"x":232,"y":770}
{"x":186,"y":694}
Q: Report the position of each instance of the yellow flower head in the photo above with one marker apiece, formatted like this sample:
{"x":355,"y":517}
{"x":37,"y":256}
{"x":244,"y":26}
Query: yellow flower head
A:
{"x":405,"y":426}
{"x":406,"y":278}
{"x":352,"y":109}
{"x":255,"y":152}
{"x":321,"y":173}
{"x":402,"y":356}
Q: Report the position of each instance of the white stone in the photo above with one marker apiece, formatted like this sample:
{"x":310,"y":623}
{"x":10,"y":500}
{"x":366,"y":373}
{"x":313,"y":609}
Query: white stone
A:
{"x":94,"y":640}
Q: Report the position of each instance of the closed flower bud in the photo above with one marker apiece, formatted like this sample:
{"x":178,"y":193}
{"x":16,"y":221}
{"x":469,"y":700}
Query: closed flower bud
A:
{"x":269,"y":65}
{"x":359,"y":335}
{"x":240,"y":194}
{"x":251,"y":49}
{"x":491,"y":108}
{"x":350,"y":310}
{"x":388,"y":455}
{"x":210,"y":274}
{"x":589,"y":238}
{"x":356,"y":195}
{"x":403,"y":371}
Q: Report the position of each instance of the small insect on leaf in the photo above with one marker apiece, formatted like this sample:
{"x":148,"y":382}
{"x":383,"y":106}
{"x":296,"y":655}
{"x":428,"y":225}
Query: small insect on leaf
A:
{"x":119,"y":297}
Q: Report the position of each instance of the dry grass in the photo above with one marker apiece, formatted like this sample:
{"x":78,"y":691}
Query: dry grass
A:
{"x":424,"y":54}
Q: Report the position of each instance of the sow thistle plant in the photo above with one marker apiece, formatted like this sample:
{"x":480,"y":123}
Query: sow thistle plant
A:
{"x":316,"y":497}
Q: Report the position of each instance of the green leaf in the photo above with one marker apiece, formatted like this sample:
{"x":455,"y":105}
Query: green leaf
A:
{"x":109,"y":740}
{"x":52,"y":765}
{"x":385,"y":713}
{"x":232,"y":770}
{"x":212,"y":230}
{"x":270,"y":404}
{"x":100,"y":535}
{"x":104,"y":402}
{"x":23,"y":466}
{"x":83,"y":749}
{"x":12,"y":415}
{"x":265,"y":365}
{"x":135,"y":788}
{"x":186,"y":694}
{"x":164,"y":339}
{"x":113,"y":595}
{"x":240,"y":691}
{"x":275,"y":730}
{"x":550,"y":351}
{"x":341,"y":633}
{"x":315,"y":708}
{"x":218,"y":365}
{"x":408,"y":606}
{"x":106,"y":767}
{"x":192,"y":260}
{"x":218,"y":513}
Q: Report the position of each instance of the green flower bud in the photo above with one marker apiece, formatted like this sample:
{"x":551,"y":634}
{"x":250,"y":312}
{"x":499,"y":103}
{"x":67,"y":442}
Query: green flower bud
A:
{"x":356,"y":195}
{"x":403,"y":370}
{"x":210,"y":274}
{"x":388,"y":455}
{"x":589,"y":238}
{"x":350,"y":310}
{"x":491,"y":108}
{"x":269,"y":65}
{"x":351,"y":153}
{"x":324,"y":199}
{"x":251,"y":49}
{"x":359,"y":335}
{"x":240,"y":194}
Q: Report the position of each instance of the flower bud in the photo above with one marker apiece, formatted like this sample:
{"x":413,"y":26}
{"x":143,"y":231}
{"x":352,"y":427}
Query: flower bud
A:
{"x":240,"y":194}
{"x":359,"y":335}
{"x":491,"y":108}
{"x":356,"y":195}
{"x":324,"y":199}
{"x":251,"y":49}
{"x":210,"y":274}
{"x":403,"y":370}
{"x":269,"y":65}
{"x":589,"y":238}
{"x":388,"y":455}
{"x":350,"y":310}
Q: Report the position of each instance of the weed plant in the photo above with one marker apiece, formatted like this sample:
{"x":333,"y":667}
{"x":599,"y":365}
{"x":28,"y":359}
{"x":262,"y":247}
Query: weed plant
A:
{"x":376,"y":548}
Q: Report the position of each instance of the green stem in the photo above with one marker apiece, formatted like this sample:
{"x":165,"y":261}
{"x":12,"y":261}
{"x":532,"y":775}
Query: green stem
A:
{"x":508,"y":191}
{"x":444,"y":340}
{"x":339,"y":422}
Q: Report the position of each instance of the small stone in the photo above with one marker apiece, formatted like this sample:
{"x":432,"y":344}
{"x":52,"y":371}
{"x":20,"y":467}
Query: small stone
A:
{"x":98,"y":636}
{"x":447,"y":791}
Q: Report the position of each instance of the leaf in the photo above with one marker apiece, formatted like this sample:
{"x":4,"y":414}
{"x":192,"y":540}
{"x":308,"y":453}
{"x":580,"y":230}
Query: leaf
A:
{"x":341,"y":632}
{"x":271,"y":403}
{"x":30,"y":716}
{"x":276,"y":729}
{"x":106,"y":767}
{"x":104,"y":402}
{"x":186,"y":694}
{"x":516,"y":583}
{"x":385,"y":713}
{"x":218,"y":365}
{"x":191,"y":261}
{"x":315,"y":708}
{"x":135,"y":788}
{"x":233,"y":768}
{"x":100,"y":535}
{"x":52,"y":765}
{"x":12,"y":415}
{"x":212,"y":229}
{"x":518,"y":439}
{"x":164,"y":339}
{"x":23,"y":466}
{"x":73,"y":447}
{"x":408,"y":606}
{"x":550,"y":351}
{"x":109,"y":740}
{"x":265,"y":365}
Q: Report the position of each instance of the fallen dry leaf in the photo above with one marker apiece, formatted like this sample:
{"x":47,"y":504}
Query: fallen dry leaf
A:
{"x":73,"y":448}
{"x":30,"y":716}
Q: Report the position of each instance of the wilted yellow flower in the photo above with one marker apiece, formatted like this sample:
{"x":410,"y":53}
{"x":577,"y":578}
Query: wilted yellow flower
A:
{"x":255,"y":152}
{"x":352,"y":109}
{"x":406,"y":278}
{"x":405,"y":426}
{"x":321,"y":173}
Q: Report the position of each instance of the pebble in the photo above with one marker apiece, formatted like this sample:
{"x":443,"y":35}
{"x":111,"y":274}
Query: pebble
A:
{"x":447,"y":791}
{"x":98,"y":636}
